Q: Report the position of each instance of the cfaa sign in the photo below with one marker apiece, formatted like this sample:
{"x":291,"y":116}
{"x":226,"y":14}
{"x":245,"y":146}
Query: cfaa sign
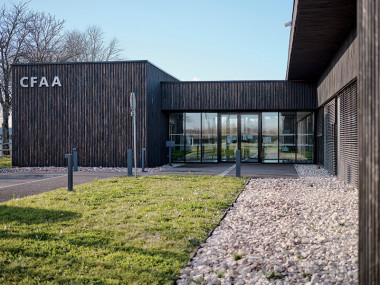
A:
{"x":32,"y":81}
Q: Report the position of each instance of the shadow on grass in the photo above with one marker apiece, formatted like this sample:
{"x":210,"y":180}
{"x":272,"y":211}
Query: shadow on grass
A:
{"x":29,"y":216}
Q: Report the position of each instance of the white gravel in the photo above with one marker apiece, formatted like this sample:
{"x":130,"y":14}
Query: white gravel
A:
{"x":298,"y":230}
{"x":54,"y":169}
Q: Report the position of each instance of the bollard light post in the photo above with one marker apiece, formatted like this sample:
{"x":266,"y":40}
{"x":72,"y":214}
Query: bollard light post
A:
{"x":75,"y":159}
{"x":237,"y":154}
{"x":69,"y":171}
{"x":143,"y":159}
{"x":129,"y":161}
{"x":132,"y":100}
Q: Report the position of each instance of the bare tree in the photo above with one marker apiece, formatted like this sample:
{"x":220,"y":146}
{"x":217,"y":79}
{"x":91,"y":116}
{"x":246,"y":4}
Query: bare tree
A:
{"x":112,"y":51}
{"x":74,"y":46}
{"x":43,"y":42}
{"x":14,"y":28}
{"x":33,"y":37}
{"x":91,"y":46}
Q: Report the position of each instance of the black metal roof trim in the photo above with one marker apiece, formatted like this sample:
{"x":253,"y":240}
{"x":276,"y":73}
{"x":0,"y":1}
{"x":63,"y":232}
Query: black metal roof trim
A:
{"x":318,"y":29}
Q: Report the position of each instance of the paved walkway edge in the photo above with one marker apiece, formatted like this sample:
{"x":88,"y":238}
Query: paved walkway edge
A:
{"x":225,"y":172}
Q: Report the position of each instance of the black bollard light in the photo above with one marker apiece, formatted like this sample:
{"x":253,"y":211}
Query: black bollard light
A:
{"x":69,"y":171}
{"x":129,"y":162}
{"x":75,"y":158}
{"x":143,"y":159}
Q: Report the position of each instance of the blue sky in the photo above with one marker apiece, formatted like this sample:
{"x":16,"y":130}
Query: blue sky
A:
{"x":206,"y":40}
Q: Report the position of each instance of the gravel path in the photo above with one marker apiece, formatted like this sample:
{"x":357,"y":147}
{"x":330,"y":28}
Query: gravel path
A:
{"x":284,"y":231}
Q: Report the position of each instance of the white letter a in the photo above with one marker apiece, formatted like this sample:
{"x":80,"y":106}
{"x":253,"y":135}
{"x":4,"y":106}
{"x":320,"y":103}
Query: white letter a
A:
{"x":43,"y":82}
{"x":56,"y":82}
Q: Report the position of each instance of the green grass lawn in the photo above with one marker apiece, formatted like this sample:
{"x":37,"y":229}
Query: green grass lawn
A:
{"x":6,"y":162}
{"x":115,"y":231}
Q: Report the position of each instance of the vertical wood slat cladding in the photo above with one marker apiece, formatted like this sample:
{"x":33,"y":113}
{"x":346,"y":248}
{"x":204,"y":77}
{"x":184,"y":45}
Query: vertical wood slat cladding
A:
{"x":348,"y":158}
{"x":157,"y":121}
{"x":342,"y":69}
{"x":238,"y":95}
{"x":369,"y":141}
{"x":90,"y":111}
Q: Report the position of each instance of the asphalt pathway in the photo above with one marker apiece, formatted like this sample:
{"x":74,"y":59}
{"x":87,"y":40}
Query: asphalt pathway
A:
{"x":17,"y":185}
{"x":252,"y":170}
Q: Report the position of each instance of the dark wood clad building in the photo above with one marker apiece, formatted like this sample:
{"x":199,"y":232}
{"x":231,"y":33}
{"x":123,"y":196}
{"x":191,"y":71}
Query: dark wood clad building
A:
{"x":89,"y":109}
{"x":326,"y":111}
{"x":86,"y":106}
{"x":324,"y":50}
{"x":369,"y":141}
{"x":310,"y":117}
{"x":336,"y":45}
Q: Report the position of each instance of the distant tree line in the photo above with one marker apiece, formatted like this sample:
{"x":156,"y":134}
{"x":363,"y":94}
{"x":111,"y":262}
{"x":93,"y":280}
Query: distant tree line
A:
{"x":27,"y":36}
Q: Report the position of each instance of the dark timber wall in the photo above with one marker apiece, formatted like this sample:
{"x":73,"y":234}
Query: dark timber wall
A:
{"x":336,"y":81}
{"x":369,"y":141}
{"x":238,"y":95}
{"x":90,"y":111}
{"x":157,"y":121}
{"x":342,"y":69}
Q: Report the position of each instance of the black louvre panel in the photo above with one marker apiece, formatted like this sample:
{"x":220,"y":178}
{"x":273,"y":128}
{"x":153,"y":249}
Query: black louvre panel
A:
{"x":329,"y":137}
{"x":320,"y":137}
{"x":348,"y":162}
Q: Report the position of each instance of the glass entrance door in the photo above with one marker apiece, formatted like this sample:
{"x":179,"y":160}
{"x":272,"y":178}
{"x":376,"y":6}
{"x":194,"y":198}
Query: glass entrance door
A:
{"x":249,"y":137}
{"x":270,"y":137}
{"x":229,"y":136}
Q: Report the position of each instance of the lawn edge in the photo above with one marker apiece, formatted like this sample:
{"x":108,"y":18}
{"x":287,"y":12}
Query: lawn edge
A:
{"x":195,"y":251}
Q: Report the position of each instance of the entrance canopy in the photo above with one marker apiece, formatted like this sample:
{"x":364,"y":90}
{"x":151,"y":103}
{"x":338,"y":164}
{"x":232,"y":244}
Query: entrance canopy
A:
{"x":318,"y":30}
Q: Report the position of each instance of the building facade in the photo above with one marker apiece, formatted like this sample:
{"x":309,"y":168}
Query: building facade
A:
{"x":311,"y":117}
{"x":86,"y":105}
{"x":89,"y":110}
{"x":326,"y":111}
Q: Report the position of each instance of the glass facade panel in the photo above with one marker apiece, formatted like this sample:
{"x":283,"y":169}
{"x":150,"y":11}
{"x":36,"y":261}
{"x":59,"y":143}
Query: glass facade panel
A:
{"x":249,"y":137}
{"x":229,"y":137}
{"x":176,"y":134}
{"x":305,"y":137}
{"x":287,"y":137}
{"x":209,"y":137}
{"x":270,"y":137}
{"x":193,"y":137}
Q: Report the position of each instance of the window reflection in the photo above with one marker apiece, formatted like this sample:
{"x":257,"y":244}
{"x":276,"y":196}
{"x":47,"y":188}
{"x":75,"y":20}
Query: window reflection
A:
{"x":287,"y":137}
{"x":270,"y":137}
{"x":193,"y":137}
{"x":176,"y":134}
{"x":229,"y":139}
{"x":209,"y":137}
{"x":305,"y":137}
{"x":249,"y":137}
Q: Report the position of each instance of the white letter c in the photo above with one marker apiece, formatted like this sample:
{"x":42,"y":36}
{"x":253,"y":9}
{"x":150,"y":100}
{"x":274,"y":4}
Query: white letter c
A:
{"x":22,"y":82}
